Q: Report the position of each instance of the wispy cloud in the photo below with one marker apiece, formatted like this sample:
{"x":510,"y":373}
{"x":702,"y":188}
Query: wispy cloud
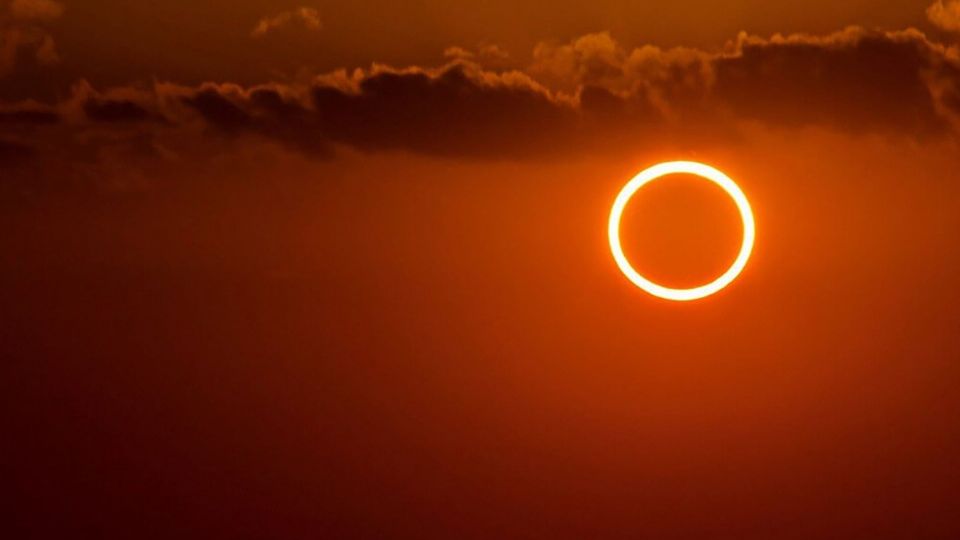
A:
{"x":307,"y":16}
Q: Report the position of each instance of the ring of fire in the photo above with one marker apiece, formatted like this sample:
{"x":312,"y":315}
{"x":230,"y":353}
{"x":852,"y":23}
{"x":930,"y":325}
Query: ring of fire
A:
{"x":682,"y":167}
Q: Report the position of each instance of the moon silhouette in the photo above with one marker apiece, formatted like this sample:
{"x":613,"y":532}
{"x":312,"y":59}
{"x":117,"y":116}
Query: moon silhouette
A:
{"x":682,"y":167}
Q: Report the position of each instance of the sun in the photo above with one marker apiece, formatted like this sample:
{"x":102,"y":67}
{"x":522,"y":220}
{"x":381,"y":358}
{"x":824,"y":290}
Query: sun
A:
{"x":703,"y":171}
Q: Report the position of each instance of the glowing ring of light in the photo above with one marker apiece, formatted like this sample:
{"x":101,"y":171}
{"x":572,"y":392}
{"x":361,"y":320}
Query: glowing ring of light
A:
{"x":703,"y":171}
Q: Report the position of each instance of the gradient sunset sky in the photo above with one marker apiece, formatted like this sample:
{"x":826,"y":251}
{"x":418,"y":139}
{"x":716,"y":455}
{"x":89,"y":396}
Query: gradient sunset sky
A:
{"x":340,"y":270}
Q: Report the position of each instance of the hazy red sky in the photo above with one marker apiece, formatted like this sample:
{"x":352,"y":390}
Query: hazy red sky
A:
{"x":249,"y":290}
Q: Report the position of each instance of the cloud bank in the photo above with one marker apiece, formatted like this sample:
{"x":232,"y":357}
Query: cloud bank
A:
{"x":577,"y":96}
{"x":307,"y":16}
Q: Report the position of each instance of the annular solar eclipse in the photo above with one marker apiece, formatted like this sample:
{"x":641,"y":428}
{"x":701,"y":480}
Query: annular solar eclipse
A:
{"x":703,"y":171}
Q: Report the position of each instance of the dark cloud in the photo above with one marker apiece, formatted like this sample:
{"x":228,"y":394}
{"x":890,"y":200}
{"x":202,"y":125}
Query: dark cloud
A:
{"x":273,"y":102}
{"x":261,"y":111}
{"x":852,"y":81}
{"x":285,"y":119}
{"x":588,"y":94}
{"x":219,"y":110}
{"x":455,"y":110}
{"x":448,"y":112}
{"x":114,"y":110}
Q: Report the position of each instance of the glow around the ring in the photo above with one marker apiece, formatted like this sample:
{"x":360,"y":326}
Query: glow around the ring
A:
{"x":703,"y":171}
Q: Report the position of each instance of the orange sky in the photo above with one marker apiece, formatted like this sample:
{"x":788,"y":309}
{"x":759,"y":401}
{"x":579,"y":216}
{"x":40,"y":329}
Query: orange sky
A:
{"x":249,"y":293}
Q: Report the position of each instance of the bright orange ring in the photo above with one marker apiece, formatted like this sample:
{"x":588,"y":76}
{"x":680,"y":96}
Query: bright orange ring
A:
{"x":703,"y":171}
